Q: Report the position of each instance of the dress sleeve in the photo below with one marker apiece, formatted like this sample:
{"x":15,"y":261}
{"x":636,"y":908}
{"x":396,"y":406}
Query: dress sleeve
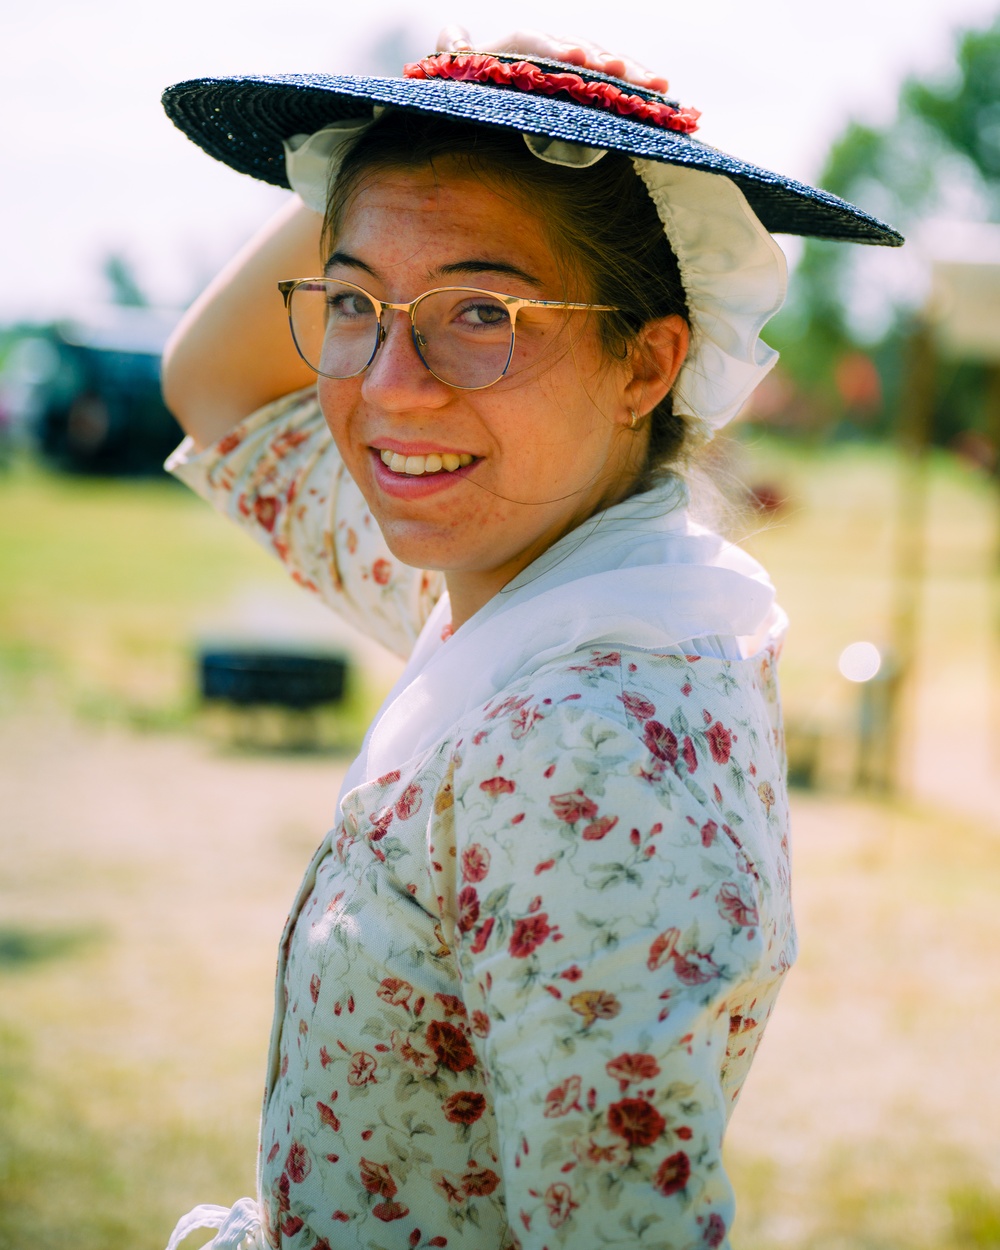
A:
{"x":617,"y":949}
{"x":279,"y":476}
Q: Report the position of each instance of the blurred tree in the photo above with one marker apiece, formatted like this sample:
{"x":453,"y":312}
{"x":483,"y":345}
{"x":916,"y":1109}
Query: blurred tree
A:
{"x":939,"y":157}
{"x":390,"y":49}
{"x":124,"y":285}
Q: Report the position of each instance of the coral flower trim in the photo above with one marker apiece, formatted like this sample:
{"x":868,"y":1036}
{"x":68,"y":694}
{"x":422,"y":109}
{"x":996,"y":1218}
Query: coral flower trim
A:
{"x":524,"y":76}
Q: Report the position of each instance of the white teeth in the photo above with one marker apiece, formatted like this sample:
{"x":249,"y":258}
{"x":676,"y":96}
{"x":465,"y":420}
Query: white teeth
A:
{"x":414,"y":466}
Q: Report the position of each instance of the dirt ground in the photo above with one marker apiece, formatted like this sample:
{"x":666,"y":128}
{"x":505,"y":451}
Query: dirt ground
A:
{"x":145,"y":880}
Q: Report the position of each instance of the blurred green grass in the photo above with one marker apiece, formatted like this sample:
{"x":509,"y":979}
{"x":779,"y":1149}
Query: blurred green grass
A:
{"x":104,"y":585}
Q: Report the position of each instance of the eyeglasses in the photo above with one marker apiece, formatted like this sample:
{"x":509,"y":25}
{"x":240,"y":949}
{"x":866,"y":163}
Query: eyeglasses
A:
{"x":463,"y":335}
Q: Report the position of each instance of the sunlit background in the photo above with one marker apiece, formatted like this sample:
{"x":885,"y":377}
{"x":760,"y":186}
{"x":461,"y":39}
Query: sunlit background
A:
{"x":151,"y":838}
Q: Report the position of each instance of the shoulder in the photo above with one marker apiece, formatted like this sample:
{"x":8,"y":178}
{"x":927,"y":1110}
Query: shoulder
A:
{"x":629,"y":740}
{"x":683,"y":710}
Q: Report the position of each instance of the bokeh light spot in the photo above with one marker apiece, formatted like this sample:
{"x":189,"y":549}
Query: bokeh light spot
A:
{"x":860,"y":661}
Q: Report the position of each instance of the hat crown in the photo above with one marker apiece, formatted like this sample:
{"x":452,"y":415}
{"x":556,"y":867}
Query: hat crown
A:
{"x":588,"y":75}
{"x":553,"y":79}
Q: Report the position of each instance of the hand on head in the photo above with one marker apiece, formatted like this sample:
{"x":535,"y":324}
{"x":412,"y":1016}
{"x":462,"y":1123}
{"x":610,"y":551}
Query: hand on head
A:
{"x":573,"y":51}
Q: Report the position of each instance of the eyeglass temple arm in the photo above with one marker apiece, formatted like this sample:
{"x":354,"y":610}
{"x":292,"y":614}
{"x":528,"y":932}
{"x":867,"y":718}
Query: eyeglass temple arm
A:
{"x":287,"y":285}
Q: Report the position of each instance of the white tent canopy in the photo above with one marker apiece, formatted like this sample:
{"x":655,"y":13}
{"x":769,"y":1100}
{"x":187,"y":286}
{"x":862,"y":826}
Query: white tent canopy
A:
{"x":964,"y":303}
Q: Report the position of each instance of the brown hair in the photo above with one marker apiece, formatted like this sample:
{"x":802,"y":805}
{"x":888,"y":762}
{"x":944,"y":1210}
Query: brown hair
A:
{"x":600,"y":220}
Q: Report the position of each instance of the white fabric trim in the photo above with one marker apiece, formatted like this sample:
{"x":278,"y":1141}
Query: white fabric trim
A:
{"x":312,"y":161}
{"x":640,"y":574}
{"x":735,"y":278}
{"x":239,"y":1226}
{"x":562,"y":152}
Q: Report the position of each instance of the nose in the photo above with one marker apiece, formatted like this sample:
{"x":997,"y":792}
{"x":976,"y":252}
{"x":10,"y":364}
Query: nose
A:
{"x":397,"y":378}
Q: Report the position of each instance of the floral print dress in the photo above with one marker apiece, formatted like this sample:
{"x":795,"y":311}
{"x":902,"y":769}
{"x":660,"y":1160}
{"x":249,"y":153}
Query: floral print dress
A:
{"x":523,"y":980}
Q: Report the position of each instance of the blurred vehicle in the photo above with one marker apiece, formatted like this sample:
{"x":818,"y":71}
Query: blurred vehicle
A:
{"x":91,"y":391}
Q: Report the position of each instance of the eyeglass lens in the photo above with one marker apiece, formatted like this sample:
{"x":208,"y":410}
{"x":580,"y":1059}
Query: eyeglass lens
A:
{"x":464,"y":336}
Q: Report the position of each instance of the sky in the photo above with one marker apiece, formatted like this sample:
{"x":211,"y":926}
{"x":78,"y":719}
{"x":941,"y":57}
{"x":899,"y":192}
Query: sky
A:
{"x":91,"y":166}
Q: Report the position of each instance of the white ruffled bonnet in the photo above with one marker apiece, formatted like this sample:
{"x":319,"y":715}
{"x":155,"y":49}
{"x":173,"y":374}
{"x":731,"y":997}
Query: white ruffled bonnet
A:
{"x":734,"y":273}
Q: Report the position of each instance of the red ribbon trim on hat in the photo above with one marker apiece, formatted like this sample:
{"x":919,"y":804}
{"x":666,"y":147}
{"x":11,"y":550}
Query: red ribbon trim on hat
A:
{"x":523,"y":76}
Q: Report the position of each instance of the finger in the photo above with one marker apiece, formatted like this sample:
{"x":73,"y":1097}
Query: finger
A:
{"x":580,"y":52}
{"x":537,"y":43}
{"x":454,"y":38}
{"x":572,"y":51}
{"x":632,"y":71}
{"x":591,"y":56}
{"x":614,"y":65}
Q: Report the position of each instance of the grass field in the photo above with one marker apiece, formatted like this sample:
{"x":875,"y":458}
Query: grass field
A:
{"x":147,"y":871}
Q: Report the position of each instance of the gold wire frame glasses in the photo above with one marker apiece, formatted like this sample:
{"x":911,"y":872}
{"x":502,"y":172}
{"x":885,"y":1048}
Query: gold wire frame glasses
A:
{"x":463,"y":335}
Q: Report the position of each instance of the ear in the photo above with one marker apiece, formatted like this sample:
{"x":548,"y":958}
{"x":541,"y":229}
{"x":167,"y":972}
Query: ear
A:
{"x":655,"y":362}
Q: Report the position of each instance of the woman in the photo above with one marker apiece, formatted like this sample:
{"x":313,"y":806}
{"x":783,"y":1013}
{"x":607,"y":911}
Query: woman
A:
{"x":527,"y":970}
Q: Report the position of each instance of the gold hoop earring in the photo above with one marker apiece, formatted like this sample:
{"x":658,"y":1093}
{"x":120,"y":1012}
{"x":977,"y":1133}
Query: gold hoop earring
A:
{"x":633,"y":418}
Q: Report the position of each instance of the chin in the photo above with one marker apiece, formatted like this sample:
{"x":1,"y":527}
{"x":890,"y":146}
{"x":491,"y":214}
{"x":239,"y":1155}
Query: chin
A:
{"x":422,"y":546}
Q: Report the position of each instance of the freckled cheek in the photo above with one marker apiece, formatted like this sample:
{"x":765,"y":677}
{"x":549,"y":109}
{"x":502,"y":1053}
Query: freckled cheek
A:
{"x":337,"y":402}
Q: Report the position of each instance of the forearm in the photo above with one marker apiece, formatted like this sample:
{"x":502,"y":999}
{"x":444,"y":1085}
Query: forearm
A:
{"x":232,"y":351}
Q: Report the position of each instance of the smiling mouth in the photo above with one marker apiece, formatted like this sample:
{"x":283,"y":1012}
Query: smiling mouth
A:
{"x":418,"y":466}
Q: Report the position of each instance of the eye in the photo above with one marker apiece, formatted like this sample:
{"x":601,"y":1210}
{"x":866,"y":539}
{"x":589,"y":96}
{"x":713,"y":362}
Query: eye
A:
{"x":348,"y":305}
{"x":481,"y":312}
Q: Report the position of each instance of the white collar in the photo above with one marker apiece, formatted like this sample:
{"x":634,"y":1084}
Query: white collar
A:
{"x":639,"y":574}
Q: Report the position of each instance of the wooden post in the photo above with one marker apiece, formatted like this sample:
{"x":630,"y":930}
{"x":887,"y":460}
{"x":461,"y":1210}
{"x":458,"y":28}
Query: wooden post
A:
{"x":993,"y":433}
{"x":914,"y":430}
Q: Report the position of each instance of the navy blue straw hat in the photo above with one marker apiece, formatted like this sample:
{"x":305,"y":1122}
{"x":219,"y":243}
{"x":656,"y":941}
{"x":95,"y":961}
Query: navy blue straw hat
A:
{"x":244,"y":121}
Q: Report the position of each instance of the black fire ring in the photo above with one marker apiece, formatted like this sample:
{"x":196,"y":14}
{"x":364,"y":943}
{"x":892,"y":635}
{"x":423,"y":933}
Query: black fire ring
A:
{"x":256,"y":678}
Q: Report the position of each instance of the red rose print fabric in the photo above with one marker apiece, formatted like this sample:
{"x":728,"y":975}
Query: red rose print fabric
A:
{"x":525,"y":975}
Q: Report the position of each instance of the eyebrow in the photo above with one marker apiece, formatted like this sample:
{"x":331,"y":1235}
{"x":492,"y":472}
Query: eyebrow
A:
{"x":468,"y":266}
{"x":475,"y":265}
{"x":345,"y":258}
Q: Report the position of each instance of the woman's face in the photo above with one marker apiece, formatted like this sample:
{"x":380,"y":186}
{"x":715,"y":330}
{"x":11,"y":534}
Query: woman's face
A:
{"x":549,"y":443}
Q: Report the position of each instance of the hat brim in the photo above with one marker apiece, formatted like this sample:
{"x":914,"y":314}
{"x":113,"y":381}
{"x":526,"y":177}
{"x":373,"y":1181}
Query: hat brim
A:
{"x":243,"y":121}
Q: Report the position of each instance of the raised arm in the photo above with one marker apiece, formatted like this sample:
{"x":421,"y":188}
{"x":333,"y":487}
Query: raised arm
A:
{"x":232,"y":352}
{"x":272,"y":466}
